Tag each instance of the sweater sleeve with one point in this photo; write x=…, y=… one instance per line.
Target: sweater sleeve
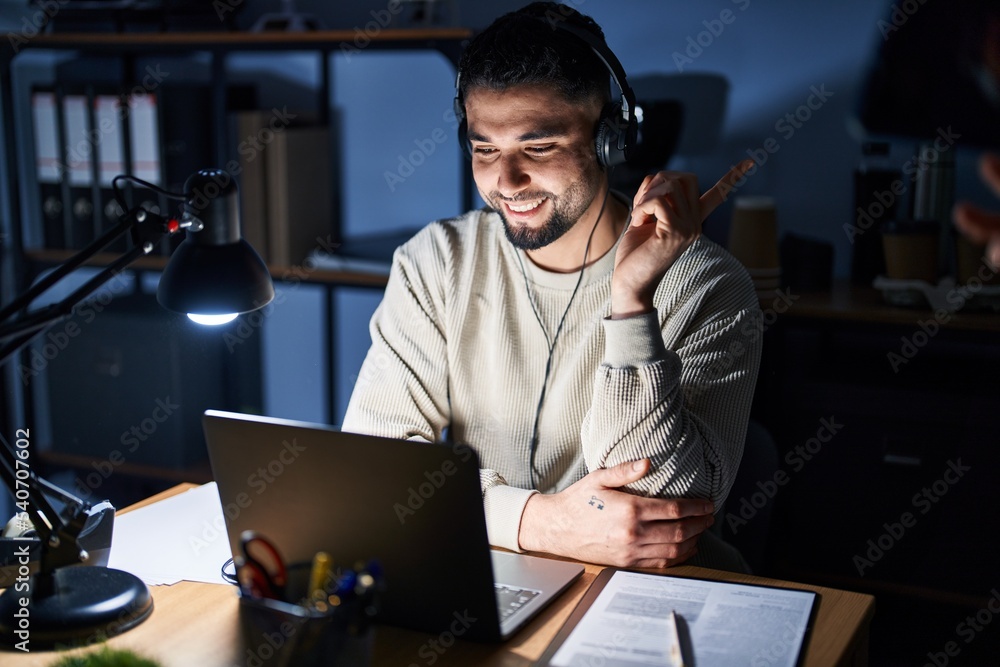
x=676, y=386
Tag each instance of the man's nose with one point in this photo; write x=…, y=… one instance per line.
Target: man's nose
x=513, y=176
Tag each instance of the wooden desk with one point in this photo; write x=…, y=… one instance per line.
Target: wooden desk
x=197, y=624
x=852, y=304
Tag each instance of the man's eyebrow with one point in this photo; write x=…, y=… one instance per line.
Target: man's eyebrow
x=534, y=135
x=545, y=133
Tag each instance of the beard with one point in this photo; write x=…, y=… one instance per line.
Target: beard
x=567, y=209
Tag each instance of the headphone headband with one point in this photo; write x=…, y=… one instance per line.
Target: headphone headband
x=618, y=127
x=610, y=62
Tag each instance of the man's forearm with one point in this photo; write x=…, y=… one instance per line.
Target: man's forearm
x=687, y=421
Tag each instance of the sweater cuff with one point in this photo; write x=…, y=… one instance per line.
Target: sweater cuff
x=633, y=342
x=503, y=506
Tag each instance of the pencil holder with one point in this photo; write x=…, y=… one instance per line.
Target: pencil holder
x=293, y=633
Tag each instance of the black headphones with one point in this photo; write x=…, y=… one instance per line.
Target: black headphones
x=618, y=128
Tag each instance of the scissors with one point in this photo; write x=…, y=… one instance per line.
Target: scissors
x=260, y=569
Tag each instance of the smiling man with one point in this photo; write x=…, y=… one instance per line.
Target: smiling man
x=594, y=354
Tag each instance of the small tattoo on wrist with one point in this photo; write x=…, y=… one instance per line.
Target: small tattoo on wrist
x=596, y=502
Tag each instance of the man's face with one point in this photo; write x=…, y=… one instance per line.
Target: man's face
x=534, y=160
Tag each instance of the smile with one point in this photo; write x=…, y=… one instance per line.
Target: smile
x=524, y=208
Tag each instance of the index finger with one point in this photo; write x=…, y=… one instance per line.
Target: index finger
x=660, y=509
x=720, y=191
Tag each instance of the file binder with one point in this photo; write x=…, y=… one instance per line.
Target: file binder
x=48, y=169
x=108, y=114
x=298, y=180
x=253, y=178
x=144, y=149
x=78, y=154
x=144, y=131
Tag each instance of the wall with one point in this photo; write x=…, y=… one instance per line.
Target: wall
x=775, y=55
x=389, y=105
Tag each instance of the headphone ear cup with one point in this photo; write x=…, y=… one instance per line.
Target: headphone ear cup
x=463, y=137
x=601, y=144
x=608, y=138
x=463, y=127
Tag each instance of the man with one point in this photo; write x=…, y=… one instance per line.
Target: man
x=601, y=365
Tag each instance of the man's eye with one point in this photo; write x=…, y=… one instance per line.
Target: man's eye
x=539, y=150
x=484, y=150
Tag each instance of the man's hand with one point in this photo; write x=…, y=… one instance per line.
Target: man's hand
x=667, y=215
x=979, y=225
x=593, y=521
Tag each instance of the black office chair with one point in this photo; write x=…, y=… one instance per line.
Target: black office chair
x=760, y=462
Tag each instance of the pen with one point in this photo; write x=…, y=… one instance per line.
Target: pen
x=674, y=641
x=319, y=577
x=345, y=587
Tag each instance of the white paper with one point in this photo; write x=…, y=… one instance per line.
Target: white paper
x=728, y=624
x=180, y=538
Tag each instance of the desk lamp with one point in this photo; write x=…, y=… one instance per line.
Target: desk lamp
x=213, y=276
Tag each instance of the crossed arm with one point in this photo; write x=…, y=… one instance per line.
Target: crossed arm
x=658, y=465
x=659, y=471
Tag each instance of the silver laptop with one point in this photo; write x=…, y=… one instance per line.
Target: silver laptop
x=415, y=507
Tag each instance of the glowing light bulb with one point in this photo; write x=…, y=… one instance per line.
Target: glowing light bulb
x=212, y=320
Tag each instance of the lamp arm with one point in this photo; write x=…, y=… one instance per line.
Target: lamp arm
x=16, y=334
x=128, y=222
x=59, y=534
x=145, y=235
x=24, y=300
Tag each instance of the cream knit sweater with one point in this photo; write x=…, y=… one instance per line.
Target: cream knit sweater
x=456, y=345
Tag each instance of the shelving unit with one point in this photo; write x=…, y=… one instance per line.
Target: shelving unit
x=899, y=430
x=19, y=265
x=218, y=45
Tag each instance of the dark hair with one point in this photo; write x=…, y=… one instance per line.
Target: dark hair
x=526, y=47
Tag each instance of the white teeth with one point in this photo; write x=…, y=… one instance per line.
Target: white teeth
x=526, y=207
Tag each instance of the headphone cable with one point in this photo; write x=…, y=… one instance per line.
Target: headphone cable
x=533, y=448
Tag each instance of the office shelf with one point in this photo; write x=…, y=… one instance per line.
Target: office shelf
x=157, y=263
x=901, y=429
x=448, y=40
x=18, y=264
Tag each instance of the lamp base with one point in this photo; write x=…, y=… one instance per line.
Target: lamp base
x=73, y=606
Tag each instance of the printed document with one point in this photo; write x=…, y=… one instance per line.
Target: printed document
x=719, y=623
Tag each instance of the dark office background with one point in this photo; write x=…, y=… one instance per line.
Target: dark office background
x=774, y=55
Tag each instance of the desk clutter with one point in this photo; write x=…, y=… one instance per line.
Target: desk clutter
x=304, y=614
x=19, y=533
x=798, y=263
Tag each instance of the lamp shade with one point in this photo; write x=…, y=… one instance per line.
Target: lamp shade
x=214, y=280
x=214, y=271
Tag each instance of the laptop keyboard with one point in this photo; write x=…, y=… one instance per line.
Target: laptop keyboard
x=510, y=599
